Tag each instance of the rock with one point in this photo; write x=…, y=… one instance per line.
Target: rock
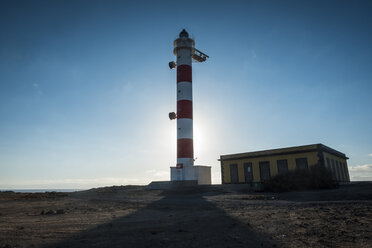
x=49, y=212
x=60, y=211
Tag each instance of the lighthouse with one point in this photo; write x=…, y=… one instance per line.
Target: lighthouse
x=186, y=54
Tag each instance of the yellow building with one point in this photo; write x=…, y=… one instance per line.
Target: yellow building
x=259, y=166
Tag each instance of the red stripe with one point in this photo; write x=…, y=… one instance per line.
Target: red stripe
x=184, y=109
x=185, y=148
x=184, y=73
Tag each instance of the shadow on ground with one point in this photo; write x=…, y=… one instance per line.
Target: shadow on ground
x=356, y=191
x=176, y=220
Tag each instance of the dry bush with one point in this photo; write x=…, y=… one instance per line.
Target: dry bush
x=316, y=177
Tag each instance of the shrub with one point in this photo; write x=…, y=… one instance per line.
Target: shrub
x=316, y=177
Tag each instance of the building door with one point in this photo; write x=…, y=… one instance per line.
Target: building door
x=234, y=173
x=179, y=175
x=248, y=173
x=264, y=170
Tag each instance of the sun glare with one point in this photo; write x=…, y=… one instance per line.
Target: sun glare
x=200, y=139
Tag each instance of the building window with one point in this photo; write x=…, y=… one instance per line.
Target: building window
x=342, y=175
x=234, y=173
x=346, y=173
x=248, y=172
x=301, y=163
x=337, y=171
x=282, y=166
x=264, y=170
x=333, y=170
x=328, y=164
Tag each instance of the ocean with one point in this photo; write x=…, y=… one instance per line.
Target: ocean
x=40, y=190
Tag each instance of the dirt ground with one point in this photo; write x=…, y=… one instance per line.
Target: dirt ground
x=211, y=216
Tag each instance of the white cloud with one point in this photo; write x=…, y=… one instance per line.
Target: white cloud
x=361, y=172
x=36, y=85
x=159, y=174
x=370, y=154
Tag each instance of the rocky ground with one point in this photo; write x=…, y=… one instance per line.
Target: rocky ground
x=214, y=216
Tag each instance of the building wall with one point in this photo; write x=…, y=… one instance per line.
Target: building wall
x=340, y=170
x=312, y=159
x=204, y=175
x=200, y=173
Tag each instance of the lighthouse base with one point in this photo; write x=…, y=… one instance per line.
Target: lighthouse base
x=199, y=173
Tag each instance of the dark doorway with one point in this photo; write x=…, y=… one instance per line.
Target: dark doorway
x=264, y=170
x=248, y=173
x=234, y=173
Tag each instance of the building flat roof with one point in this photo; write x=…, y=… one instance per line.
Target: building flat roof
x=284, y=151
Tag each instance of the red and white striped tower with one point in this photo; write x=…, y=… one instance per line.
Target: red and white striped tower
x=183, y=49
x=185, y=52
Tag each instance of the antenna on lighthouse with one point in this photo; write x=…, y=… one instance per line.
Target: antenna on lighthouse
x=199, y=56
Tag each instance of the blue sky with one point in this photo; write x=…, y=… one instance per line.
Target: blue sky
x=85, y=88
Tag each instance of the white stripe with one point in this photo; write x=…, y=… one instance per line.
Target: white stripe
x=184, y=128
x=185, y=161
x=184, y=91
x=184, y=57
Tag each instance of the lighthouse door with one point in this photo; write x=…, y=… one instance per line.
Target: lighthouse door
x=179, y=174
